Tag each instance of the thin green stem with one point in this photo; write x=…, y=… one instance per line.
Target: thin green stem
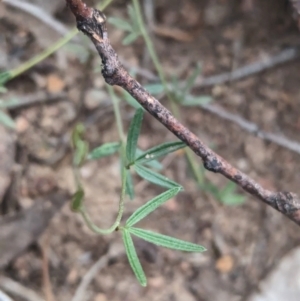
x=117, y=112
x=150, y=47
x=43, y=55
x=95, y=228
x=47, y=52
x=175, y=109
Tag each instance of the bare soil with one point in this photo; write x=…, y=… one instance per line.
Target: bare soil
x=244, y=242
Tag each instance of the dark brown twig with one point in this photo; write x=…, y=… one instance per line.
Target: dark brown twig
x=93, y=23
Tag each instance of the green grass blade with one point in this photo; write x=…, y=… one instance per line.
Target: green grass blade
x=151, y=205
x=104, y=150
x=133, y=258
x=154, y=177
x=133, y=135
x=166, y=241
x=159, y=151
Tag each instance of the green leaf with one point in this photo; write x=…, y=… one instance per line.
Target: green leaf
x=133, y=258
x=133, y=135
x=129, y=185
x=233, y=200
x=131, y=101
x=77, y=200
x=104, y=150
x=155, y=89
x=134, y=19
x=130, y=38
x=166, y=241
x=151, y=205
x=154, y=177
x=120, y=23
x=229, y=197
x=6, y=120
x=196, y=101
x=159, y=151
x=154, y=163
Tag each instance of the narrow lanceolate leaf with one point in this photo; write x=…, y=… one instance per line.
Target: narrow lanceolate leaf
x=196, y=101
x=131, y=101
x=159, y=151
x=130, y=38
x=129, y=185
x=133, y=135
x=166, y=241
x=154, y=163
x=154, y=177
x=120, y=23
x=133, y=258
x=104, y=150
x=150, y=206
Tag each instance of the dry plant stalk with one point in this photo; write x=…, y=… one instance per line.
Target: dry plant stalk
x=92, y=22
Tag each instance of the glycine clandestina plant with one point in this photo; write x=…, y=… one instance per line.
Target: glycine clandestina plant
x=143, y=164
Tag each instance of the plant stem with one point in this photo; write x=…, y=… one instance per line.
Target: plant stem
x=47, y=52
x=117, y=113
x=43, y=55
x=95, y=228
x=175, y=109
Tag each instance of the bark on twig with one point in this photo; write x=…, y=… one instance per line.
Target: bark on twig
x=92, y=22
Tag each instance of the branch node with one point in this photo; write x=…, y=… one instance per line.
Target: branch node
x=212, y=164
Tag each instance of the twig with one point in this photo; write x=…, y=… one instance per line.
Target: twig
x=285, y=56
x=93, y=23
x=18, y=289
x=113, y=252
x=253, y=128
x=18, y=102
x=89, y=276
x=38, y=13
x=45, y=269
x=269, y=62
x=4, y=297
